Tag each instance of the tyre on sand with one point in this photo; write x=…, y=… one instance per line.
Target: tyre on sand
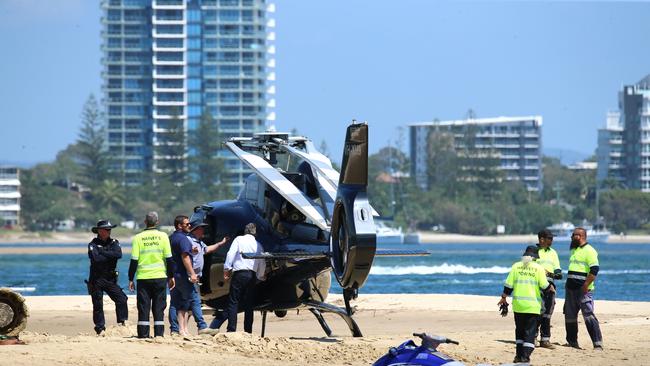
x=13, y=313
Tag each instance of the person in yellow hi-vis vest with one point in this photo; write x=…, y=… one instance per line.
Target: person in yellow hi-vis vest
x=579, y=289
x=550, y=261
x=151, y=260
x=524, y=282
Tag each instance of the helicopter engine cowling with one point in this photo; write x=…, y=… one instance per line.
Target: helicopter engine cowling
x=353, y=232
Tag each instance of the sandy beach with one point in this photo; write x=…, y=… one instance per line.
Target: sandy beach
x=59, y=332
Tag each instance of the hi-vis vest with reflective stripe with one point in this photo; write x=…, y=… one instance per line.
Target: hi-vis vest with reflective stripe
x=525, y=282
x=150, y=248
x=549, y=260
x=582, y=258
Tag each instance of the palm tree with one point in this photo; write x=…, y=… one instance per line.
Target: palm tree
x=109, y=195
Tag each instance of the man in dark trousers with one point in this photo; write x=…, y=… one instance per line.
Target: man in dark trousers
x=579, y=290
x=243, y=274
x=151, y=260
x=525, y=282
x=104, y=252
x=550, y=261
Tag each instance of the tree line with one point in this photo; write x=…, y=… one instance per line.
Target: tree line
x=468, y=194
x=83, y=184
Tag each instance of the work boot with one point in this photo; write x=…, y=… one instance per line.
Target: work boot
x=573, y=345
x=546, y=344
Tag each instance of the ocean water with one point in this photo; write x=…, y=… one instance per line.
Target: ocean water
x=474, y=269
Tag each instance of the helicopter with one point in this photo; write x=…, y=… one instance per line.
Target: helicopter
x=311, y=221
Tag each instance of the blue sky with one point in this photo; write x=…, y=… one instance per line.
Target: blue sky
x=387, y=62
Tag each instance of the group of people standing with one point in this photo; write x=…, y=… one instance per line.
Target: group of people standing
x=531, y=282
x=176, y=262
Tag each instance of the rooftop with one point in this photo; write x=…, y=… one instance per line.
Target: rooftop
x=479, y=121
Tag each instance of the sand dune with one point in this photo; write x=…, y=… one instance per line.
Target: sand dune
x=60, y=332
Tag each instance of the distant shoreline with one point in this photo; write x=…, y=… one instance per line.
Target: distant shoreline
x=81, y=238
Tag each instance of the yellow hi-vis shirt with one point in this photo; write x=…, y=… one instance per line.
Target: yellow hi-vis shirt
x=150, y=248
x=526, y=282
x=549, y=260
x=581, y=260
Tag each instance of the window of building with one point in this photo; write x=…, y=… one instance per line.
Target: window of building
x=170, y=83
x=209, y=30
x=228, y=111
x=229, y=15
x=227, y=124
x=193, y=30
x=193, y=111
x=194, y=97
x=169, y=42
x=228, y=70
x=169, y=29
x=229, y=97
x=229, y=84
x=229, y=43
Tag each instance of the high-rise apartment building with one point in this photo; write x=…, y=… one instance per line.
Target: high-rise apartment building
x=9, y=196
x=166, y=62
x=624, y=144
x=515, y=141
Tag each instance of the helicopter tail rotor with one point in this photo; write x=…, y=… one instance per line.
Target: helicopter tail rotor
x=353, y=232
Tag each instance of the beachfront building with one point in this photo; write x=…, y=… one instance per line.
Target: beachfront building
x=515, y=141
x=9, y=196
x=624, y=143
x=167, y=62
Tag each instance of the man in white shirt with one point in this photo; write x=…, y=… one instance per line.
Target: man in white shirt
x=244, y=274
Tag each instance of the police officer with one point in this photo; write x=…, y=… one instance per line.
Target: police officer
x=151, y=260
x=524, y=282
x=549, y=260
x=583, y=269
x=104, y=252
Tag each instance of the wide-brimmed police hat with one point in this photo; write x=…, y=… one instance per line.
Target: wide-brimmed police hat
x=102, y=224
x=532, y=251
x=197, y=224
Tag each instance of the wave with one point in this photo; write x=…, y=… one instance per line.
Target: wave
x=447, y=268
x=444, y=268
x=22, y=289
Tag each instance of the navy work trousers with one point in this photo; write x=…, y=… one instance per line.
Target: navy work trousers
x=152, y=296
x=575, y=301
x=97, y=287
x=548, y=298
x=242, y=289
x=525, y=331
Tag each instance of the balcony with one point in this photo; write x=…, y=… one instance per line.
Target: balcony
x=168, y=4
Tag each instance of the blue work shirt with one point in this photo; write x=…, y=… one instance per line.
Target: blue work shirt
x=197, y=259
x=180, y=244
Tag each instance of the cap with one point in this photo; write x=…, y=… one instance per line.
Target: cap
x=531, y=251
x=546, y=233
x=102, y=224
